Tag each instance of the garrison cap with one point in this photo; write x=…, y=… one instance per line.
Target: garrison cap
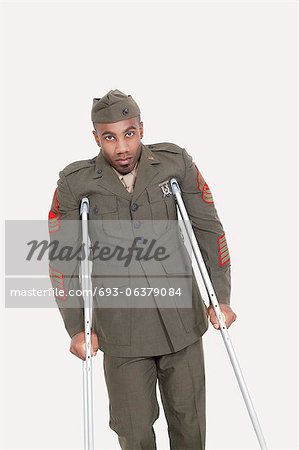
x=113, y=107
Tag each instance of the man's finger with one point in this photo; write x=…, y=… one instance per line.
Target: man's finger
x=213, y=319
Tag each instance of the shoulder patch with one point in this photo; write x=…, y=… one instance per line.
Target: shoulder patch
x=203, y=188
x=77, y=165
x=54, y=215
x=165, y=147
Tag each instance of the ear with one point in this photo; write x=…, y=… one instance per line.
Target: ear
x=141, y=130
x=96, y=138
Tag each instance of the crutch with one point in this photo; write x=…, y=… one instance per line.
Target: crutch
x=183, y=215
x=87, y=364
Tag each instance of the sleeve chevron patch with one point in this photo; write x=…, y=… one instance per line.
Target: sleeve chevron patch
x=204, y=190
x=57, y=279
x=223, y=253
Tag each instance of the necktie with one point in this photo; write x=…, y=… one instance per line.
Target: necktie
x=128, y=180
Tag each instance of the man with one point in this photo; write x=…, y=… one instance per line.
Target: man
x=129, y=181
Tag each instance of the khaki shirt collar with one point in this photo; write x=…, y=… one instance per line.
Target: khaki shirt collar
x=133, y=171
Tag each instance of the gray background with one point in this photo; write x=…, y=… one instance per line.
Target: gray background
x=218, y=78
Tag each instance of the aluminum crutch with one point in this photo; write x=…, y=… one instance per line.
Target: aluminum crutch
x=87, y=364
x=182, y=214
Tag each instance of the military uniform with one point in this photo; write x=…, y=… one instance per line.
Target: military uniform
x=142, y=345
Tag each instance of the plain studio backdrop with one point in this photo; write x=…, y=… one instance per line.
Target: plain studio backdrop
x=218, y=78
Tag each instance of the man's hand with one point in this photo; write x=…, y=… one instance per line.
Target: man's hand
x=78, y=344
x=228, y=315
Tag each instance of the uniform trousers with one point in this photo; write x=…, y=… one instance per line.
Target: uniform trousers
x=133, y=407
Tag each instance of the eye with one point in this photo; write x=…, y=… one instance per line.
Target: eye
x=130, y=133
x=109, y=138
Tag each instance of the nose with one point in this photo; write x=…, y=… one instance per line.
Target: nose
x=121, y=147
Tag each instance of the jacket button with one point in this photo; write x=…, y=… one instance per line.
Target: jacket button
x=134, y=207
x=137, y=224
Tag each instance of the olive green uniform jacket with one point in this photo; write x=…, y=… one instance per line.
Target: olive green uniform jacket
x=138, y=331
